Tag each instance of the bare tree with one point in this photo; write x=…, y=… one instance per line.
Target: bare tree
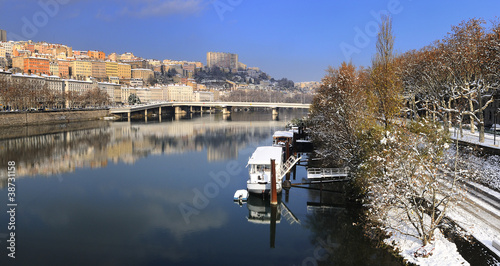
x=387, y=93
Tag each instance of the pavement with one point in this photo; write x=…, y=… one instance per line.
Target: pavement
x=490, y=140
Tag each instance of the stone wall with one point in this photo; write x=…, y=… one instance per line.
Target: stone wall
x=35, y=130
x=41, y=118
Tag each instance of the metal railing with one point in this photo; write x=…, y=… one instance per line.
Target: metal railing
x=328, y=172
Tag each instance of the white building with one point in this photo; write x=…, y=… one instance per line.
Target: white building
x=6, y=49
x=203, y=96
x=28, y=80
x=134, y=82
x=110, y=89
x=54, y=83
x=80, y=86
x=179, y=93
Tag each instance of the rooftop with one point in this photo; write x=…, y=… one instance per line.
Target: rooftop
x=264, y=154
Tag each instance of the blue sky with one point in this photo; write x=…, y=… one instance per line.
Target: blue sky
x=293, y=39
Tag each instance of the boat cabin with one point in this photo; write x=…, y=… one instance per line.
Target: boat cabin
x=281, y=137
x=260, y=168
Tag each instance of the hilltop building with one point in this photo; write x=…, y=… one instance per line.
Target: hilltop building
x=223, y=60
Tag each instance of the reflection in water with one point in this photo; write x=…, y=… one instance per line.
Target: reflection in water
x=259, y=210
x=336, y=233
x=127, y=212
x=93, y=147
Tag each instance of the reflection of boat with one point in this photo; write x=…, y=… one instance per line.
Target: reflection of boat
x=259, y=181
x=260, y=211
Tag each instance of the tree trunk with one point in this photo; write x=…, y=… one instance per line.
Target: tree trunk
x=414, y=108
x=427, y=110
x=449, y=113
x=446, y=124
x=461, y=129
x=471, y=109
x=433, y=112
x=481, y=115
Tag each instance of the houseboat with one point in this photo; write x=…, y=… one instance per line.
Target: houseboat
x=259, y=181
x=281, y=137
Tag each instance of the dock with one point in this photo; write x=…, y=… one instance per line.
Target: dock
x=321, y=173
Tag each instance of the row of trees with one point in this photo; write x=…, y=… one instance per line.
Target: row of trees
x=359, y=120
x=25, y=95
x=267, y=96
x=455, y=79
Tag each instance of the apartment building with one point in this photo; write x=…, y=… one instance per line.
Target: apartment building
x=36, y=65
x=80, y=69
x=111, y=69
x=223, y=60
x=99, y=70
x=141, y=73
x=124, y=71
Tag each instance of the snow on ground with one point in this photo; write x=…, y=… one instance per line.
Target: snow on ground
x=475, y=215
x=478, y=219
x=443, y=252
x=484, y=169
x=489, y=139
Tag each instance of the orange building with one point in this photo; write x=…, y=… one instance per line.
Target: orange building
x=97, y=55
x=29, y=47
x=63, y=68
x=36, y=65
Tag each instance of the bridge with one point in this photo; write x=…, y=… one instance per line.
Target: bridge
x=189, y=107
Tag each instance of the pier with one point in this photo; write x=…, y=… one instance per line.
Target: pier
x=320, y=173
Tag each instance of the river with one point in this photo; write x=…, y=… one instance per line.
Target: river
x=160, y=193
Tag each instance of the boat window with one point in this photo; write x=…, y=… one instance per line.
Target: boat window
x=267, y=167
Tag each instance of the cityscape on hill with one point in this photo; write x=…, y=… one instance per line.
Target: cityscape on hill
x=49, y=75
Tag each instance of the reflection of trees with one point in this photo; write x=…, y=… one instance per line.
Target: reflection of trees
x=342, y=242
x=63, y=150
x=53, y=153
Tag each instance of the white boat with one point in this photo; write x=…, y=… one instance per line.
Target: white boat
x=281, y=137
x=241, y=195
x=259, y=181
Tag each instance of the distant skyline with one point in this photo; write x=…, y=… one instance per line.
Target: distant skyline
x=297, y=40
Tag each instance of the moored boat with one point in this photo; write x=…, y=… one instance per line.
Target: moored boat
x=280, y=138
x=259, y=164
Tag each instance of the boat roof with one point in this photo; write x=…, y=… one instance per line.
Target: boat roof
x=287, y=134
x=264, y=154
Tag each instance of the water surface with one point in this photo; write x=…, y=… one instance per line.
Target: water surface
x=160, y=193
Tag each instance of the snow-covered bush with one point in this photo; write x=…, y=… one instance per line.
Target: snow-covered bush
x=404, y=175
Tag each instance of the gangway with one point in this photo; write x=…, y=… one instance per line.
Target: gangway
x=287, y=166
x=320, y=173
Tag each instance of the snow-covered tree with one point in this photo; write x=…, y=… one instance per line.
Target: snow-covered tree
x=460, y=69
x=405, y=175
x=338, y=114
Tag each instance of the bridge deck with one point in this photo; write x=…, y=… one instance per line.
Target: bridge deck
x=143, y=107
